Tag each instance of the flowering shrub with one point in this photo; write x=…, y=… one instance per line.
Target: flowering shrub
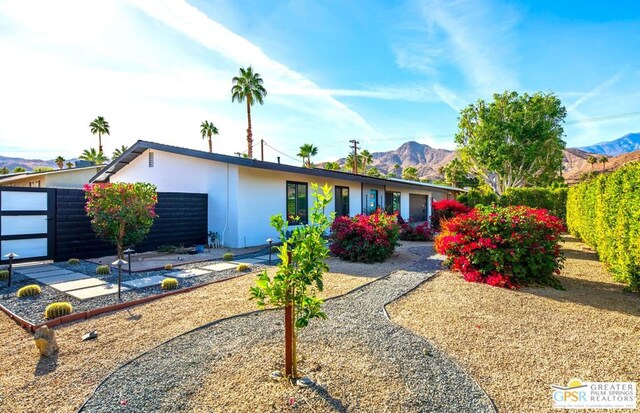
x=444, y=210
x=420, y=232
x=364, y=238
x=504, y=247
x=122, y=213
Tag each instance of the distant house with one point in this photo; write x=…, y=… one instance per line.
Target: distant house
x=57, y=178
x=244, y=193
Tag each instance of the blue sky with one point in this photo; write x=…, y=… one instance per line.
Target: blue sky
x=381, y=72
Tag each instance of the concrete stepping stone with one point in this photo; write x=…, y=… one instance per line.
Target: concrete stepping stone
x=36, y=268
x=98, y=291
x=144, y=282
x=63, y=278
x=221, y=266
x=250, y=261
x=48, y=274
x=266, y=257
x=193, y=272
x=78, y=284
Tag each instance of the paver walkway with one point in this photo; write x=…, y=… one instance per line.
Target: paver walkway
x=160, y=379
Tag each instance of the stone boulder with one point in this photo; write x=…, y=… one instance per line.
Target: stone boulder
x=46, y=341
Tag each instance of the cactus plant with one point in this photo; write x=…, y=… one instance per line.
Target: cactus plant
x=55, y=310
x=169, y=284
x=168, y=266
x=228, y=256
x=103, y=270
x=243, y=267
x=73, y=261
x=28, y=291
x=4, y=275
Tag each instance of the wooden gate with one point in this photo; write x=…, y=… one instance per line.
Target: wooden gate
x=27, y=223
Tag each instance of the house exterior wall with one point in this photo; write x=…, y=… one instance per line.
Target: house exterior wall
x=241, y=200
x=66, y=178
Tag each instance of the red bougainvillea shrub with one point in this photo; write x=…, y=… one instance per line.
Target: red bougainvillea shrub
x=505, y=247
x=364, y=238
x=444, y=210
x=420, y=232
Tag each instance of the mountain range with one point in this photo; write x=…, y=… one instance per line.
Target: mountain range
x=628, y=143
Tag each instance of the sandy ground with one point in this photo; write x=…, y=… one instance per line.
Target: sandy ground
x=517, y=343
x=61, y=384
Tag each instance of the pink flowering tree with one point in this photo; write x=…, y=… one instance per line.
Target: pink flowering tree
x=121, y=213
x=504, y=247
x=365, y=238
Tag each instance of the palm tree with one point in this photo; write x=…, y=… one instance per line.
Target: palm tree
x=248, y=87
x=349, y=164
x=60, y=162
x=410, y=174
x=117, y=152
x=332, y=166
x=306, y=152
x=592, y=160
x=4, y=170
x=69, y=165
x=93, y=156
x=398, y=170
x=603, y=160
x=208, y=129
x=19, y=169
x=366, y=159
x=99, y=126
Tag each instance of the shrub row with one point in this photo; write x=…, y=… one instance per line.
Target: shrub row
x=444, y=210
x=503, y=246
x=605, y=213
x=553, y=200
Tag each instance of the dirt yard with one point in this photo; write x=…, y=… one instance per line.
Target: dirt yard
x=517, y=343
x=61, y=384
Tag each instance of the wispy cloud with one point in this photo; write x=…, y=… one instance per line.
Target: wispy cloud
x=596, y=91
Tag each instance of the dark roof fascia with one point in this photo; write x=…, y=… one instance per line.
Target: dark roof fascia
x=141, y=146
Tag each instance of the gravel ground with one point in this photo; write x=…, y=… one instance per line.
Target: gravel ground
x=60, y=384
x=517, y=343
x=168, y=377
x=32, y=308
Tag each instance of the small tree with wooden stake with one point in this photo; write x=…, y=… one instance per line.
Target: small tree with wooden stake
x=299, y=276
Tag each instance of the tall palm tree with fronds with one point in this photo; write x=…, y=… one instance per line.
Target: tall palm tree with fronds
x=398, y=170
x=93, y=156
x=603, y=160
x=592, y=160
x=248, y=87
x=69, y=165
x=208, y=129
x=60, y=162
x=332, y=166
x=410, y=174
x=117, y=152
x=306, y=152
x=99, y=126
x=366, y=159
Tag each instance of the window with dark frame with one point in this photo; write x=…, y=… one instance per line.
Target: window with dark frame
x=342, y=201
x=392, y=202
x=297, y=203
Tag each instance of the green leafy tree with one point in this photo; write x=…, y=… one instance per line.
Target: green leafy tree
x=374, y=172
x=42, y=169
x=248, y=88
x=60, y=162
x=513, y=141
x=99, y=126
x=208, y=129
x=117, y=152
x=410, y=173
x=93, y=156
x=332, y=166
x=456, y=174
x=603, y=160
x=69, y=165
x=18, y=169
x=121, y=213
x=4, y=170
x=306, y=152
x=299, y=275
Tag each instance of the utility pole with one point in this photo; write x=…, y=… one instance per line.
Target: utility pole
x=262, y=149
x=355, y=154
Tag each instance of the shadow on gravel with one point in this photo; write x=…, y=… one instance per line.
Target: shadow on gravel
x=46, y=365
x=332, y=401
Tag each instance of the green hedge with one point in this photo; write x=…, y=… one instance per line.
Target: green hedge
x=553, y=200
x=605, y=213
